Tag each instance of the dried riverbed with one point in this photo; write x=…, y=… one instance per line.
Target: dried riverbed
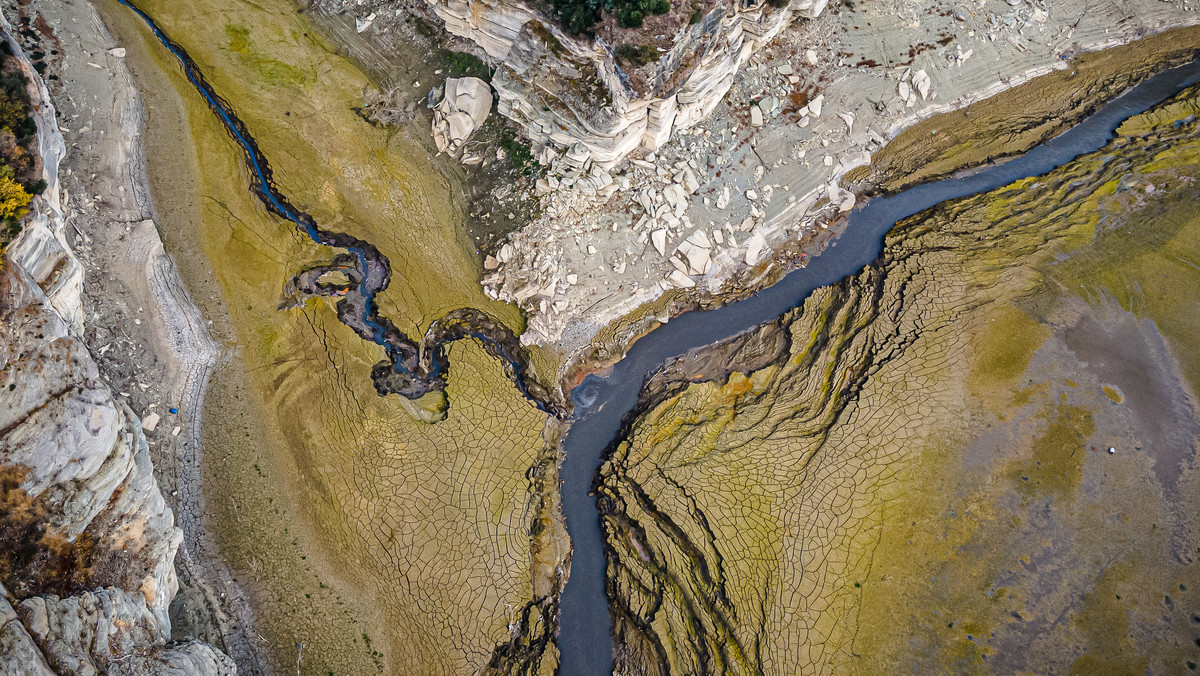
x=377, y=541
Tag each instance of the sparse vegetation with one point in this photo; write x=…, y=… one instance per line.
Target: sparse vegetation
x=636, y=55
x=34, y=558
x=462, y=64
x=579, y=17
x=19, y=166
x=518, y=153
x=389, y=109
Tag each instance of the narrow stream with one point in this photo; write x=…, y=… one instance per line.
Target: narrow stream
x=411, y=369
x=601, y=403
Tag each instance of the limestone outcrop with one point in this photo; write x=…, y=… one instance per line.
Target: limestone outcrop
x=567, y=92
x=87, y=563
x=106, y=631
x=84, y=462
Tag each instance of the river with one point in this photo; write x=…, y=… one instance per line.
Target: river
x=601, y=403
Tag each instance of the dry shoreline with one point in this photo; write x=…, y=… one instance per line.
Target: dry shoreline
x=1109, y=72
x=231, y=421
x=151, y=341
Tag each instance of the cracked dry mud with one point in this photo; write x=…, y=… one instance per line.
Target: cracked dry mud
x=911, y=472
x=381, y=542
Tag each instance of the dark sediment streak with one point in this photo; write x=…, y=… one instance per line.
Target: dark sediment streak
x=411, y=369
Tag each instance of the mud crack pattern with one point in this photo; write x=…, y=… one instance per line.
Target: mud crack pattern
x=751, y=512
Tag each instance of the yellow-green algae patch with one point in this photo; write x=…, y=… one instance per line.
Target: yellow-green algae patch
x=1111, y=603
x=1055, y=464
x=923, y=484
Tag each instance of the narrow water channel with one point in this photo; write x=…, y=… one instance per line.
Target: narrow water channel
x=585, y=638
x=411, y=369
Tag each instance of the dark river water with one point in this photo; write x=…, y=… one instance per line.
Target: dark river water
x=600, y=403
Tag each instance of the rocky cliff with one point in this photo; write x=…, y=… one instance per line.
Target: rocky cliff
x=569, y=93
x=87, y=543
x=573, y=97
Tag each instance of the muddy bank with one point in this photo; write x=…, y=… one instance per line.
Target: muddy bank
x=355, y=527
x=934, y=417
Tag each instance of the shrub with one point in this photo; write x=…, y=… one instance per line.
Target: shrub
x=34, y=557
x=631, y=13
x=637, y=55
x=579, y=17
x=518, y=153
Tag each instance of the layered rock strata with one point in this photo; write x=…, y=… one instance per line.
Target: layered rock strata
x=571, y=93
x=84, y=460
x=89, y=572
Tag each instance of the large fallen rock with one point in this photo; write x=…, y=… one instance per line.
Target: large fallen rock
x=108, y=631
x=463, y=109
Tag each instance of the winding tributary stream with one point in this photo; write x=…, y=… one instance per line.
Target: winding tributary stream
x=411, y=369
x=601, y=403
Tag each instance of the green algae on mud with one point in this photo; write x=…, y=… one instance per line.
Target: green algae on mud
x=355, y=528
x=924, y=482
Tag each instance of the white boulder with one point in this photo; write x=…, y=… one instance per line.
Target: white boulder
x=463, y=109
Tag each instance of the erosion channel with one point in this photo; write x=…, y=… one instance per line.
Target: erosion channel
x=417, y=369
x=413, y=370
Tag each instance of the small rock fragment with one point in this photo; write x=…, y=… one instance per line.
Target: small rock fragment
x=150, y=422
x=659, y=237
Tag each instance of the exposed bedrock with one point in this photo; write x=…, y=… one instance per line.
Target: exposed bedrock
x=87, y=542
x=571, y=92
x=565, y=91
x=81, y=508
